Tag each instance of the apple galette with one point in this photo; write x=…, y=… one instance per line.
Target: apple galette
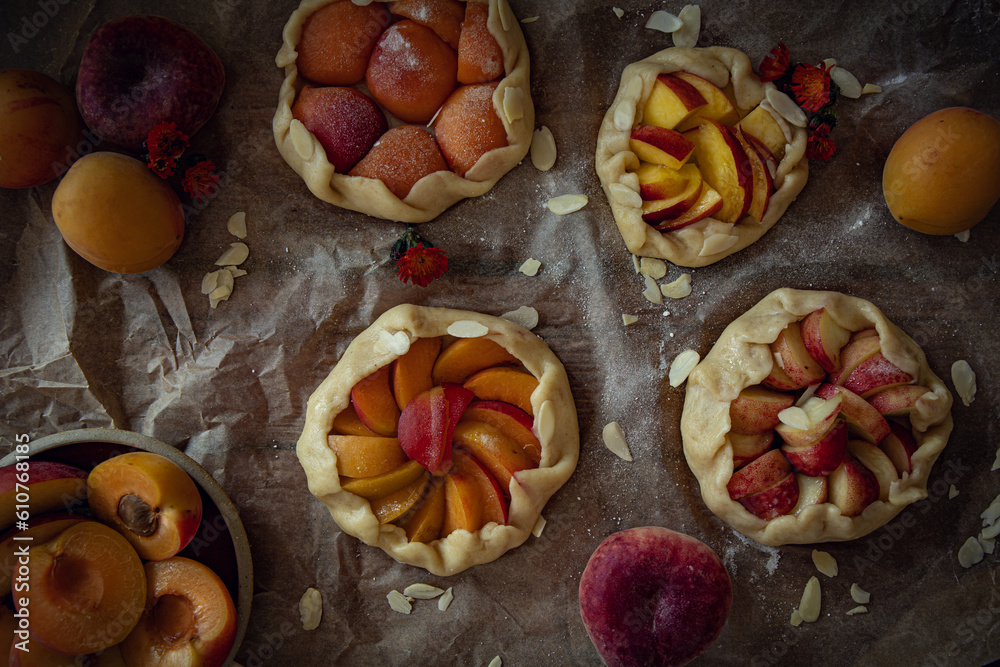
x=813, y=419
x=440, y=435
x=400, y=109
x=695, y=162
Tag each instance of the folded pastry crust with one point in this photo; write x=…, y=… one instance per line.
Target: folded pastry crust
x=434, y=193
x=741, y=358
x=555, y=426
x=616, y=163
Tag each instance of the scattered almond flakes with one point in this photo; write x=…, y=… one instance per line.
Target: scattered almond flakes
x=619, y=12
x=311, y=609
x=530, y=19
x=513, y=103
x=779, y=361
x=850, y=87
x=629, y=319
x=679, y=288
x=990, y=532
x=652, y=267
x=824, y=562
x=652, y=291
x=996, y=462
x=869, y=88
x=496, y=662
x=445, y=600
x=526, y=316
x=398, y=602
x=663, y=21
x=505, y=19
x=235, y=255
x=991, y=513
x=546, y=421
x=396, y=343
x=786, y=108
x=467, y=329
x=543, y=149
x=988, y=544
x=830, y=62
x=688, y=33
x=210, y=282
x=810, y=603
x=237, y=225
x=302, y=139
x=566, y=204
x=860, y=609
x=860, y=596
x=963, y=235
x=539, y=526
x=796, y=619
x=636, y=263
x=795, y=417
x=530, y=267
x=681, y=367
x=964, y=379
x=614, y=440
x=219, y=294
x=717, y=243
x=236, y=272
x=422, y=591
x=970, y=553
x=952, y=492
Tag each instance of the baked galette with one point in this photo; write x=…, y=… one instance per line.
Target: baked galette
x=813, y=419
x=440, y=435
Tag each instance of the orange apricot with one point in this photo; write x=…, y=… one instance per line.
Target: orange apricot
x=412, y=372
x=509, y=385
x=444, y=17
x=467, y=356
x=337, y=41
x=468, y=126
x=463, y=508
x=504, y=418
x=491, y=496
x=347, y=422
x=400, y=158
x=426, y=521
x=480, y=58
x=380, y=486
x=391, y=507
x=366, y=456
x=373, y=401
x=499, y=454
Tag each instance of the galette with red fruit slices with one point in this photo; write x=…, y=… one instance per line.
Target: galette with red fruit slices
x=401, y=108
x=694, y=160
x=440, y=435
x=813, y=419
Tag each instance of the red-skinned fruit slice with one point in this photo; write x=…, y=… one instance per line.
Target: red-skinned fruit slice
x=510, y=420
x=499, y=454
x=423, y=430
x=459, y=399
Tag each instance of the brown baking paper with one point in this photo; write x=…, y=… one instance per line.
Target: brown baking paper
x=79, y=346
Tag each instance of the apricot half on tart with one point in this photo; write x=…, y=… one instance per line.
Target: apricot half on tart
x=444, y=112
x=813, y=419
x=695, y=162
x=440, y=435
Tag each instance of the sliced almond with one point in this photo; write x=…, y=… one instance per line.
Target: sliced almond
x=989, y=545
x=226, y=279
x=810, y=603
x=619, y=12
x=970, y=553
x=779, y=361
x=302, y=139
x=869, y=88
x=681, y=367
x=539, y=526
x=566, y=204
x=860, y=609
x=235, y=272
x=952, y=492
x=824, y=562
x=530, y=19
x=850, y=87
x=652, y=267
x=795, y=417
x=496, y=662
x=652, y=291
x=506, y=20
x=796, y=618
x=513, y=103
x=624, y=114
x=964, y=235
x=235, y=255
x=679, y=288
x=526, y=316
x=860, y=596
x=445, y=600
x=219, y=294
x=964, y=379
x=717, y=243
x=530, y=267
x=422, y=591
x=396, y=343
x=467, y=329
x=990, y=532
x=806, y=394
x=311, y=609
x=629, y=319
x=237, y=225
x=663, y=21
x=688, y=33
x=398, y=602
x=636, y=263
x=546, y=422
x=830, y=62
x=543, y=149
x=787, y=108
x=210, y=282
x=614, y=440
x=625, y=195
x=991, y=513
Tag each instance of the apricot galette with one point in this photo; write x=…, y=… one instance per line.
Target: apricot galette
x=813, y=419
x=440, y=435
x=695, y=162
x=400, y=109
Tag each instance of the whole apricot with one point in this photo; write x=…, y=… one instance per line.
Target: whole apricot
x=39, y=128
x=117, y=214
x=943, y=174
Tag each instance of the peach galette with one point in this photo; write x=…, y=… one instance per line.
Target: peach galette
x=440, y=435
x=695, y=162
x=813, y=419
x=400, y=109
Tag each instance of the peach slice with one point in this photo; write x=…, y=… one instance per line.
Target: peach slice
x=427, y=520
x=756, y=409
x=823, y=339
x=798, y=364
x=761, y=124
x=748, y=447
x=822, y=413
x=45, y=486
x=391, y=507
x=41, y=528
x=853, y=487
x=778, y=379
x=510, y=420
x=467, y=356
x=491, y=496
x=709, y=203
x=444, y=17
x=659, y=182
x=463, y=508
x=508, y=385
x=147, y=498
x=498, y=453
x=411, y=373
x=763, y=183
x=724, y=166
x=480, y=58
x=761, y=473
x=348, y=423
x=878, y=462
x=858, y=348
x=366, y=456
x=423, y=430
x=719, y=107
x=897, y=401
x=821, y=457
x=899, y=446
x=875, y=374
x=862, y=418
x=812, y=491
x=380, y=486
x=774, y=501
x=661, y=146
x=189, y=617
x=665, y=211
x=374, y=403
x=671, y=102
x=86, y=589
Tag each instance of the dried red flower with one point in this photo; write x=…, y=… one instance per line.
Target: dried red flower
x=200, y=181
x=161, y=165
x=775, y=64
x=421, y=265
x=165, y=140
x=811, y=86
x=819, y=145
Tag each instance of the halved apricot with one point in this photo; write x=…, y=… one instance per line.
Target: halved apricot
x=498, y=453
x=382, y=485
x=494, y=505
x=348, y=423
x=468, y=126
x=425, y=523
x=444, y=17
x=366, y=456
x=337, y=41
x=467, y=356
x=391, y=507
x=480, y=58
x=463, y=507
x=189, y=617
x=86, y=589
x=374, y=403
x=508, y=385
x=412, y=372
x=510, y=420
x=400, y=158
x=41, y=528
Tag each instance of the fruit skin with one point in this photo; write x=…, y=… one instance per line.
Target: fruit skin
x=719, y=106
x=853, y=487
x=875, y=374
x=823, y=339
x=760, y=124
x=344, y=120
x=138, y=71
x=725, y=166
x=709, y=203
x=760, y=474
x=821, y=457
x=117, y=215
x=822, y=417
x=400, y=158
x=423, y=430
x=480, y=58
x=941, y=174
x=671, y=102
x=653, y=596
x=51, y=486
x=659, y=182
x=774, y=501
x=165, y=488
x=899, y=446
x=798, y=364
x=461, y=147
x=39, y=128
x=756, y=409
x=659, y=145
x=337, y=41
x=862, y=418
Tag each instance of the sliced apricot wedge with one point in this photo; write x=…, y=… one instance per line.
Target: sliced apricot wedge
x=510, y=420
x=494, y=505
x=498, y=453
x=374, y=403
x=411, y=374
x=463, y=507
x=391, y=507
x=348, y=423
x=366, y=456
x=467, y=356
x=382, y=485
x=508, y=385
x=426, y=521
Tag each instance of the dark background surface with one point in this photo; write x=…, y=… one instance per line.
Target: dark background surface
x=79, y=346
